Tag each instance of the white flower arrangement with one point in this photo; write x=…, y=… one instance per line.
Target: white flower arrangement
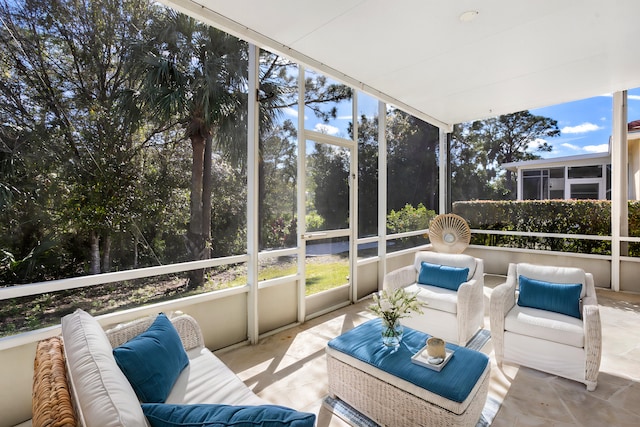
x=395, y=305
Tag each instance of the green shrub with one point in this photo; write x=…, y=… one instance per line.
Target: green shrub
x=409, y=219
x=590, y=217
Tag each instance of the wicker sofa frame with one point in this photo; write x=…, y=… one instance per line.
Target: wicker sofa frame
x=52, y=400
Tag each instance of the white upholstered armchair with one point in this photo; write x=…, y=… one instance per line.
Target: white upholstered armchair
x=455, y=310
x=547, y=318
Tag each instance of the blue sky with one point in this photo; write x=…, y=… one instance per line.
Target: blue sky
x=585, y=125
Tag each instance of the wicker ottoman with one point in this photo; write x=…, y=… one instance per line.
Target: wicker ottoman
x=391, y=390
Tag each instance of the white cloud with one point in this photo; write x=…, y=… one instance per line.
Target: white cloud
x=291, y=112
x=600, y=148
x=326, y=129
x=583, y=128
x=533, y=145
x=570, y=146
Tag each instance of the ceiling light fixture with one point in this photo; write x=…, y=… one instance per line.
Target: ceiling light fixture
x=469, y=15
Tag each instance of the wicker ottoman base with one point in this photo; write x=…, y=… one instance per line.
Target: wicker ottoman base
x=393, y=404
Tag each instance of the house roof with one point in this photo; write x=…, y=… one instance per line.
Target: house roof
x=579, y=160
x=425, y=57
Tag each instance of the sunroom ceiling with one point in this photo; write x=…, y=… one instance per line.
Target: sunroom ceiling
x=420, y=56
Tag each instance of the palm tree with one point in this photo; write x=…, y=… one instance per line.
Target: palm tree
x=194, y=76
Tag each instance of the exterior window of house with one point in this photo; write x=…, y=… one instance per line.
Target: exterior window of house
x=535, y=184
x=556, y=183
x=543, y=184
x=585, y=172
x=608, y=195
x=585, y=191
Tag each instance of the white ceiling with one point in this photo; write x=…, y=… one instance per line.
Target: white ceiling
x=418, y=54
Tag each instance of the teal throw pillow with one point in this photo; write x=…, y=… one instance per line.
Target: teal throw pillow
x=211, y=415
x=153, y=360
x=558, y=297
x=442, y=276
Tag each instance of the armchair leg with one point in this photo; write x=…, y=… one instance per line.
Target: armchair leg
x=591, y=385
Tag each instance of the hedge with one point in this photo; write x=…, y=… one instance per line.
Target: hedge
x=590, y=217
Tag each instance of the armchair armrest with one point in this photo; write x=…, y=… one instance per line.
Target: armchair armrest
x=466, y=291
x=503, y=298
x=399, y=278
x=592, y=344
x=470, y=308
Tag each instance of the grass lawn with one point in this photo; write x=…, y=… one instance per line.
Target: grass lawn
x=28, y=313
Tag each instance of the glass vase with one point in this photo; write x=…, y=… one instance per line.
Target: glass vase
x=392, y=334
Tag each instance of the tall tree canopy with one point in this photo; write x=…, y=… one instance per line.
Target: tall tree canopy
x=195, y=76
x=60, y=101
x=412, y=161
x=479, y=148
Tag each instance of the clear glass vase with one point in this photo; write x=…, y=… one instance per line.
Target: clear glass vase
x=392, y=334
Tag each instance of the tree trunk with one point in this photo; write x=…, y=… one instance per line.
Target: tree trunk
x=195, y=240
x=261, y=194
x=94, y=241
x=207, y=189
x=510, y=186
x=106, y=253
x=136, y=242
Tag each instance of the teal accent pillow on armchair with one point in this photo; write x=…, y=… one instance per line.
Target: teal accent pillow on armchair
x=561, y=298
x=442, y=276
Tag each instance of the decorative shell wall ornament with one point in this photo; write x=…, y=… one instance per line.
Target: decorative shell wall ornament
x=449, y=233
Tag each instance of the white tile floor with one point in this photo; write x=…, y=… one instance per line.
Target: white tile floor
x=289, y=368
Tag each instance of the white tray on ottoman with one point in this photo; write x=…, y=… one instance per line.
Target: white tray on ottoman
x=373, y=387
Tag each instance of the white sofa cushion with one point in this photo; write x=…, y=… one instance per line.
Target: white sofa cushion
x=436, y=298
x=553, y=274
x=104, y=395
x=208, y=380
x=452, y=260
x=546, y=325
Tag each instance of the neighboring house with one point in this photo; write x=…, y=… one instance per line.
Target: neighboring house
x=586, y=176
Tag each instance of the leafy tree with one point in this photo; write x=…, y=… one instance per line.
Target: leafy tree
x=278, y=92
x=367, y=175
x=278, y=189
x=194, y=76
x=330, y=174
x=63, y=63
x=472, y=174
x=412, y=161
x=495, y=141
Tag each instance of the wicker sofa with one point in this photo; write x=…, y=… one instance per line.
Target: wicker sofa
x=78, y=382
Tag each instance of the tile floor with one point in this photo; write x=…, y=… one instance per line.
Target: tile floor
x=289, y=368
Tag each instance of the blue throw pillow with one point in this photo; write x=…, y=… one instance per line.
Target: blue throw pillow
x=153, y=360
x=558, y=297
x=442, y=276
x=209, y=415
